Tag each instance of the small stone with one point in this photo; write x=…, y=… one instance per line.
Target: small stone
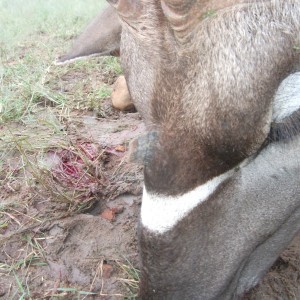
x=120, y=96
x=107, y=271
x=120, y=148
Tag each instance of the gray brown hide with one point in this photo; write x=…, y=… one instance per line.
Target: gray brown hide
x=203, y=75
x=100, y=38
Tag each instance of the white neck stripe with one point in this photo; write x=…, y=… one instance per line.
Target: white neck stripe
x=160, y=213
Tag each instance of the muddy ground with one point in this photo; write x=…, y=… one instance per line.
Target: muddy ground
x=73, y=233
x=86, y=251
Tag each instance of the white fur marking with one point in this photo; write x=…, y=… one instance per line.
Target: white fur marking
x=287, y=98
x=72, y=60
x=160, y=213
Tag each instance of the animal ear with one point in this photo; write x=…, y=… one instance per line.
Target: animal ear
x=101, y=37
x=182, y=16
x=127, y=8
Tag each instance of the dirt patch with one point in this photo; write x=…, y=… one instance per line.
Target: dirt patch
x=76, y=251
x=62, y=252
x=75, y=245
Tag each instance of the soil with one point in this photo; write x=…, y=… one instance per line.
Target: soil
x=93, y=251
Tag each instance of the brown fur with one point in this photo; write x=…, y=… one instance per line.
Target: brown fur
x=205, y=94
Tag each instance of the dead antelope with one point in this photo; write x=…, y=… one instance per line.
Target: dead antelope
x=214, y=82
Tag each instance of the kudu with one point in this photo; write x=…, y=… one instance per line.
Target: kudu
x=212, y=80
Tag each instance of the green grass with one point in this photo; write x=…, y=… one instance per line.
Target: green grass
x=36, y=96
x=54, y=18
x=32, y=35
x=131, y=280
x=37, y=104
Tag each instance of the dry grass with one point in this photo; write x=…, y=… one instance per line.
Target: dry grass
x=39, y=104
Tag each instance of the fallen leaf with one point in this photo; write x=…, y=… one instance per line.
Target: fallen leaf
x=107, y=270
x=108, y=214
